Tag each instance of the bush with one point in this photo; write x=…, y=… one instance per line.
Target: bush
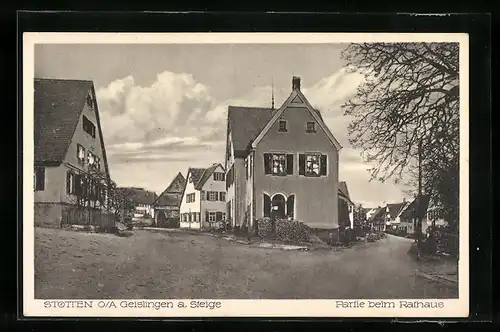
x=264, y=228
x=292, y=231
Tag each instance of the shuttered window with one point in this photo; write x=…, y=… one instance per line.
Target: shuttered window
x=267, y=205
x=279, y=164
x=313, y=164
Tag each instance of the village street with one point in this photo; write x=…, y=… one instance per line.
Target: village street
x=164, y=265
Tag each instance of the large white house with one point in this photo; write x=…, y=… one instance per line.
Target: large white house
x=203, y=204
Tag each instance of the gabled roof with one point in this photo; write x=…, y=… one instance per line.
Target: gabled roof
x=296, y=93
x=394, y=209
x=378, y=216
x=195, y=174
x=411, y=210
x=172, y=196
x=344, y=192
x=245, y=123
x=138, y=195
x=206, y=175
x=58, y=105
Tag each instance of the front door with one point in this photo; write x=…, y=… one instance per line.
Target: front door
x=278, y=207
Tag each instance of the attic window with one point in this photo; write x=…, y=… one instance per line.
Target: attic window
x=88, y=126
x=218, y=176
x=311, y=127
x=282, y=126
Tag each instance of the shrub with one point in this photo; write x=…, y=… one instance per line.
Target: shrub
x=264, y=228
x=292, y=231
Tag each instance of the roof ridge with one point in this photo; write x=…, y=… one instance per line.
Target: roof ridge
x=251, y=107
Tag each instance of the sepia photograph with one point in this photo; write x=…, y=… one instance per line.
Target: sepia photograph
x=195, y=173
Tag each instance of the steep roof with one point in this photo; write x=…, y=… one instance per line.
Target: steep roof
x=411, y=210
x=394, y=209
x=58, y=105
x=196, y=174
x=172, y=196
x=138, y=195
x=378, y=216
x=343, y=189
x=206, y=175
x=246, y=123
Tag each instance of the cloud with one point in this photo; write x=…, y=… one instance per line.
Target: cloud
x=174, y=123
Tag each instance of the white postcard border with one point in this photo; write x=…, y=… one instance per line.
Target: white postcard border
x=239, y=308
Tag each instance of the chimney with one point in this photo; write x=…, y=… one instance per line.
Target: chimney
x=296, y=83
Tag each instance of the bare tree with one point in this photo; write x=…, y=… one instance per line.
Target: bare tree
x=410, y=95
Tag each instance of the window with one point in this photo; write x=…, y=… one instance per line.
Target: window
x=311, y=127
x=213, y=195
x=88, y=126
x=190, y=198
x=80, y=154
x=278, y=164
x=97, y=162
x=222, y=196
x=312, y=164
x=39, y=180
x=218, y=176
x=212, y=217
x=71, y=182
x=202, y=195
x=282, y=126
x=90, y=159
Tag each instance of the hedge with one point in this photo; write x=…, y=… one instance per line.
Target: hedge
x=292, y=231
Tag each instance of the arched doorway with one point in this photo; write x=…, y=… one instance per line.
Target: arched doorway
x=278, y=209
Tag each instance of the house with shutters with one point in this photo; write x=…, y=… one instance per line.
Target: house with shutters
x=282, y=163
x=167, y=205
x=70, y=166
x=203, y=204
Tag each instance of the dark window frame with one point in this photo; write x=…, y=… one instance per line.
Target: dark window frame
x=282, y=126
x=322, y=164
x=310, y=130
x=39, y=183
x=88, y=126
x=268, y=163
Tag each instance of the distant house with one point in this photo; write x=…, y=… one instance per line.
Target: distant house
x=167, y=205
x=393, y=212
x=71, y=173
x=282, y=163
x=410, y=215
x=346, y=206
x=143, y=201
x=203, y=204
x=377, y=219
x=369, y=212
x=434, y=217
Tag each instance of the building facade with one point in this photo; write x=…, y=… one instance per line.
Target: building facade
x=203, y=204
x=167, y=205
x=71, y=173
x=282, y=163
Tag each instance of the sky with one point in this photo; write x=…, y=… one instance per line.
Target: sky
x=163, y=107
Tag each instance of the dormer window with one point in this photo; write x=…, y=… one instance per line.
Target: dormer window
x=282, y=126
x=311, y=127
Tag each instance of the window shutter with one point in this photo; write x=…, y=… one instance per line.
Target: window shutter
x=323, y=164
x=68, y=182
x=289, y=164
x=290, y=205
x=267, y=159
x=267, y=205
x=202, y=195
x=207, y=218
x=220, y=196
x=218, y=216
x=302, y=164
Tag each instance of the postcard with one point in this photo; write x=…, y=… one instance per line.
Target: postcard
x=245, y=175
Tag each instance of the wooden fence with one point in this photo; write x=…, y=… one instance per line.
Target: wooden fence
x=75, y=215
